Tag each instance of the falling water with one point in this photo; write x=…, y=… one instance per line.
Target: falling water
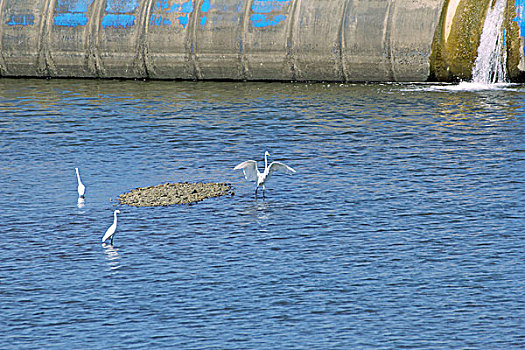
x=489, y=67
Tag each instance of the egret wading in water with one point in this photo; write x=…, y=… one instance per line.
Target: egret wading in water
x=81, y=188
x=252, y=173
x=110, y=233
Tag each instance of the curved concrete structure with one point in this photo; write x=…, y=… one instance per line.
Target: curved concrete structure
x=330, y=40
x=455, y=46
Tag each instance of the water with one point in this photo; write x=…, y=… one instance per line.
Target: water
x=490, y=64
x=403, y=227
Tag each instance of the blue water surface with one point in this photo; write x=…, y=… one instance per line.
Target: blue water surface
x=402, y=228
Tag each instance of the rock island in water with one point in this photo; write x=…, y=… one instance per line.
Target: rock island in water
x=173, y=193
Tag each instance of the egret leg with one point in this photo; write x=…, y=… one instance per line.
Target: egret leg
x=263, y=191
x=256, y=187
x=111, y=240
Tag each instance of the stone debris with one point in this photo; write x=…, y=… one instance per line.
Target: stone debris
x=174, y=193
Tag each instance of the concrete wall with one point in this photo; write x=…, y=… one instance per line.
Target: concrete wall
x=516, y=40
x=339, y=40
x=458, y=33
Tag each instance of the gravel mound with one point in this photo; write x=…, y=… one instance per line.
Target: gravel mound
x=174, y=193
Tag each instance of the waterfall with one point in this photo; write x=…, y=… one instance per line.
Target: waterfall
x=490, y=65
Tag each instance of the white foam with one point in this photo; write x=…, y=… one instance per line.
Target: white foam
x=464, y=87
x=474, y=86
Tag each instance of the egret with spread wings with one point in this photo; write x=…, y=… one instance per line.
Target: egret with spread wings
x=252, y=173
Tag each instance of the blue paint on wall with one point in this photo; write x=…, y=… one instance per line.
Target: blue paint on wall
x=173, y=8
x=117, y=20
x=71, y=19
x=161, y=5
x=21, y=20
x=262, y=9
x=157, y=20
x=520, y=18
x=183, y=20
x=261, y=21
x=71, y=13
x=205, y=6
x=267, y=6
x=165, y=7
x=187, y=7
x=121, y=6
x=520, y=15
x=73, y=6
x=118, y=13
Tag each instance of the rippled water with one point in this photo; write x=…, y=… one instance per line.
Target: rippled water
x=403, y=227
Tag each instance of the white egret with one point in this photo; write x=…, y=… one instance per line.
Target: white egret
x=110, y=233
x=251, y=171
x=81, y=188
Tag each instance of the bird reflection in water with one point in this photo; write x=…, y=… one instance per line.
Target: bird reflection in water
x=259, y=210
x=112, y=256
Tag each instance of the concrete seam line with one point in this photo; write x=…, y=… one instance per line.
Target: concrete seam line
x=44, y=64
x=96, y=66
x=290, y=45
x=341, y=39
x=192, y=29
x=140, y=62
x=3, y=68
x=145, y=32
x=242, y=45
x=387, y=39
